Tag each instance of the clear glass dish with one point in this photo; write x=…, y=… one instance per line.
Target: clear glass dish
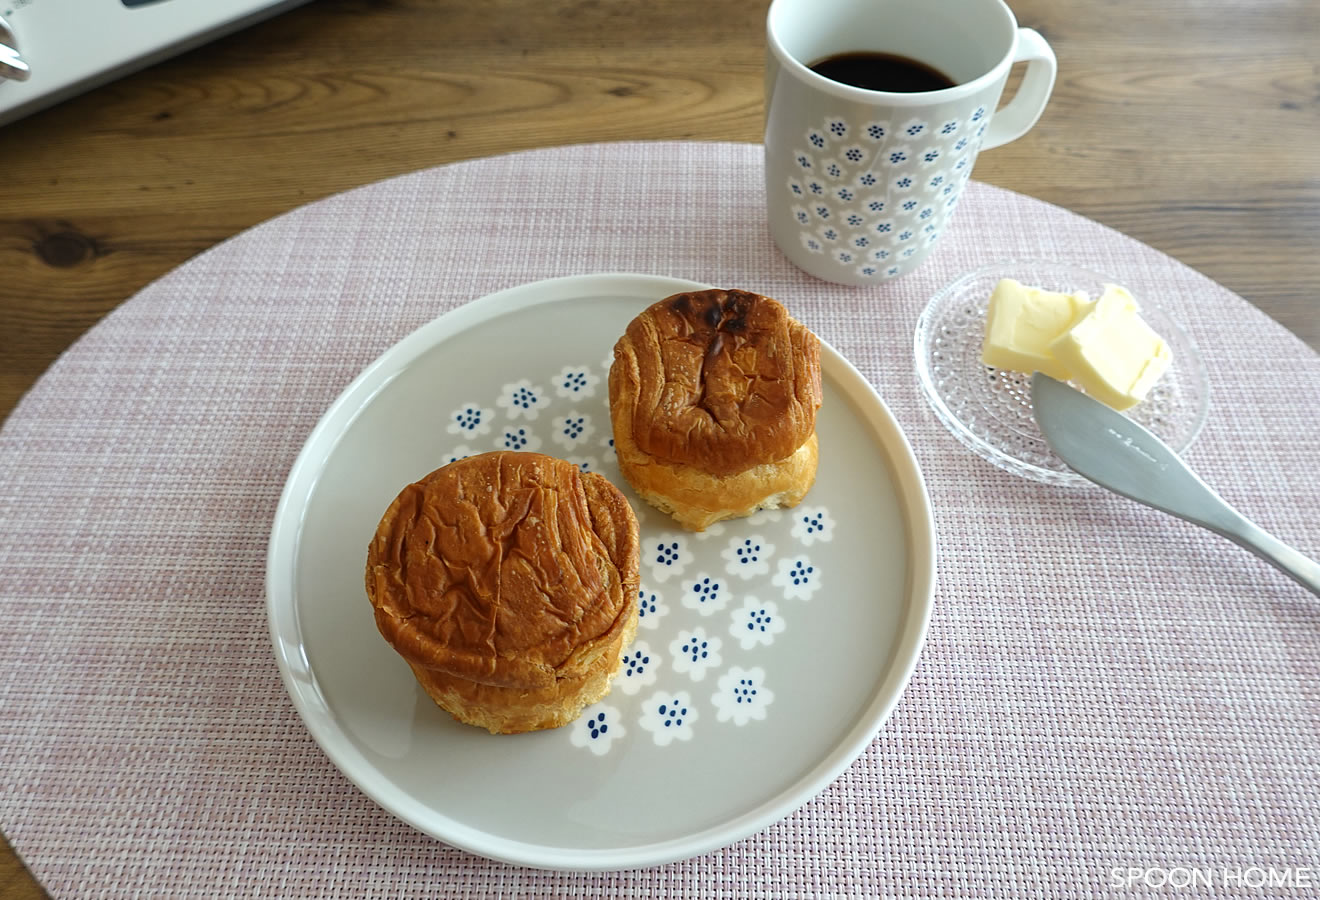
x=989, y=410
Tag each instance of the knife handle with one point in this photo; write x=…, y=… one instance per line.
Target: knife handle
x=1245, y=533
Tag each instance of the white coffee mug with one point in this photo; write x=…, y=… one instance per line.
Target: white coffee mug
x=860, y=183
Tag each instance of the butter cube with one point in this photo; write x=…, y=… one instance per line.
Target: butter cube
x=1023, y=321
x=1112, y=353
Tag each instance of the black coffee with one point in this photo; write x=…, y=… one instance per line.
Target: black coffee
x=882, y=72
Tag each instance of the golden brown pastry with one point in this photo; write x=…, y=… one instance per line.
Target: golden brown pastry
x=713, y=398
x=508, y=582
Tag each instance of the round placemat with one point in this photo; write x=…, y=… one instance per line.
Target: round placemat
x=1102, y=688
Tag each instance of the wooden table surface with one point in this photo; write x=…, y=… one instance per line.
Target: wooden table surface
x=1191, y=125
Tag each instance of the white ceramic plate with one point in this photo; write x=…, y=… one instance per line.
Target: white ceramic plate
x=770, y=649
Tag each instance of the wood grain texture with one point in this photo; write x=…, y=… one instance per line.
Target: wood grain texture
x=1189, y=124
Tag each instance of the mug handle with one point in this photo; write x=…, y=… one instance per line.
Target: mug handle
x=1016, y=119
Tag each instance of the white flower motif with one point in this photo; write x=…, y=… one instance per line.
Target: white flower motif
x=902, y=184
x=715, y=530
x=868, y=270
x=853, y=155
x=522, y=399
x=517, y=437
x=667, y=554
x=836, y=128
x=828, y=234
x=638, y=668
x=928, y=157
x=876, y=131
x=833, y=169
x=576, y=381
x=706, y=593
x=803, y=160
x=797, y=577
x=845, y=256
x=651, y=608
x=801, y=215
x=879, y=255
x=742, y=696
x=470, y=420
x=463, y=451
x=571, y=429
x=897, y=156
x=765, y=516
x=822, y=211
x=812, y=243
x=748, y=557
x=607, y=444
x=585, y=463
x=795, y=188
x=669, y=717
x=912, y=128
x=812, y=524
x=756, y=623
x=599, y=726
x=693, y=652
x=817, y=138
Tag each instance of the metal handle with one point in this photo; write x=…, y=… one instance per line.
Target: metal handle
x=12, y=64
x=1245, y=533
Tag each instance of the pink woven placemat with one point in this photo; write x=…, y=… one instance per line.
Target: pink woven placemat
x=1103, y=687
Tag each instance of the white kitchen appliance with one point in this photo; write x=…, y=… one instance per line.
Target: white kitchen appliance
x=53, y=49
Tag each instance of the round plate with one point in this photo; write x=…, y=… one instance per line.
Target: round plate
x=989, y=409
x=769, y=650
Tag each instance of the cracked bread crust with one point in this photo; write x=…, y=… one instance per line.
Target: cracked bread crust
x=713, y=400
x=508, y=582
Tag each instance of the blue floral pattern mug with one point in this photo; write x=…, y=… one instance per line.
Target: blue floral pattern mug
x=861, y=183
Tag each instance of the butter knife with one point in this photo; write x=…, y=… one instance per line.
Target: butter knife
x=1116, y=453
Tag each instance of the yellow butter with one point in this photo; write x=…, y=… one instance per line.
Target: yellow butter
x=1021, y=324
x=1111, y=351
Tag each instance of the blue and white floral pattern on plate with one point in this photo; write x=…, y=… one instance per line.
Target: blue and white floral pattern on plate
x=470, y=420
x=747, y=557
x=812, y=524
x=522, y=399
x=797, y=577
x=572, y=430
x=518, y=437
x=651, y=608
x=599, y=726
x=575, y=382
x=742, y=696
x=669, y=716
x=756, y=623
x=708, y=594
x=666, y=554
x=694, y=652
x=638, y=669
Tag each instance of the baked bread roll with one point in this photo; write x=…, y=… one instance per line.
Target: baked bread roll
x=713, y=399
x=508, y=582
